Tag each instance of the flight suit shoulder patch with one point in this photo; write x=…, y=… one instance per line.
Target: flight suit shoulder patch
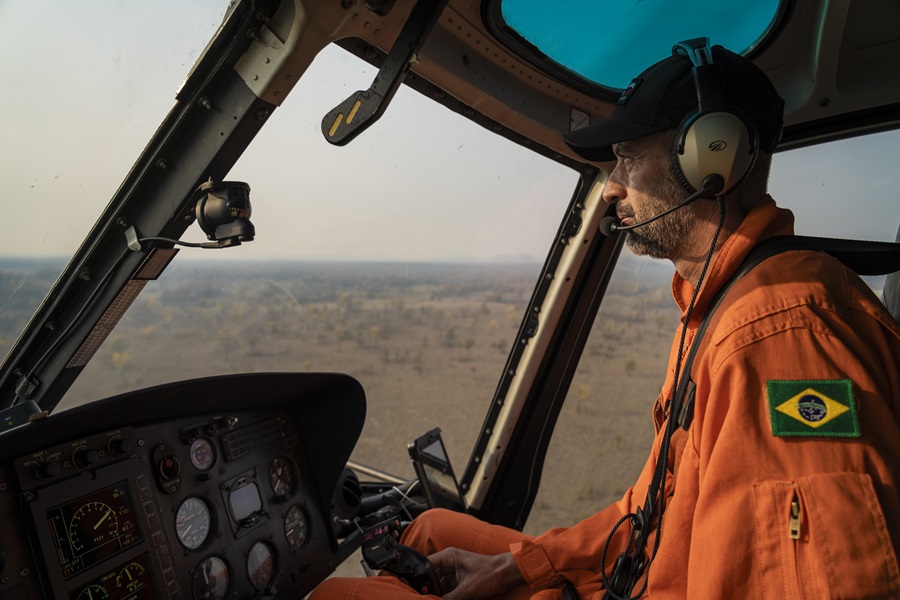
x=812, y=408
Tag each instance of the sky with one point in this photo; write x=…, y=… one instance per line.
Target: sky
x=569, y=38
x=87, y=83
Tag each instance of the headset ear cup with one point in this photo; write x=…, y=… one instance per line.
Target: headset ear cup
x=718, y=142
x=679, y=164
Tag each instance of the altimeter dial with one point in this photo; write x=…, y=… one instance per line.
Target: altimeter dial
x=193, y=522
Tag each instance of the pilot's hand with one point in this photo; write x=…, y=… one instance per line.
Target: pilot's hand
x=473, y=576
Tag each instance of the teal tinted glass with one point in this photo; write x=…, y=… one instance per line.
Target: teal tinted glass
x=609, y=42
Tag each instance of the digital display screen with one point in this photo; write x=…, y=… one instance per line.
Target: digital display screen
x=245, y=501
x=93, y=528
x=439, y=476
x=435, y=474
x=128, y=581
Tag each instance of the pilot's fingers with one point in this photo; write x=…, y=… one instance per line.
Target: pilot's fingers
x=446, y=562
x=450, y=568
x=442, y=557
x=471, y=574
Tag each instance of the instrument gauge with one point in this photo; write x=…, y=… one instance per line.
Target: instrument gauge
x=282, y=477
x=203, y=455
x=261, y=565
x=93, y=592
x=193, y=523
x=132, y=577
x=93, y=524
x=296, y=528
x=211, y=579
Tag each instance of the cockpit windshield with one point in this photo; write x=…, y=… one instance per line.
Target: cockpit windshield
x=415, y=247
x=76, y=114
x=607, y=43
x=444, y=269
x=405, y=258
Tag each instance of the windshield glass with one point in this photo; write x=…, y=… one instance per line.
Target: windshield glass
x=87, y=84
x=608, y=43
x=405, y=259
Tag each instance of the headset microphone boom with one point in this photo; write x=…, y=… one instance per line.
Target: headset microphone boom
x=712, y=184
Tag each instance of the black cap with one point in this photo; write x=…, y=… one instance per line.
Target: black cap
x=664, y=94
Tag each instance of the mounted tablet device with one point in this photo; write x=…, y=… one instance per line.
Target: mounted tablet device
x=435, y=474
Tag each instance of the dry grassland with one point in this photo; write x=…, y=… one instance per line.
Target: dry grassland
x=427, y=342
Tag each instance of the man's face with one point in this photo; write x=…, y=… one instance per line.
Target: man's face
x=642, y=185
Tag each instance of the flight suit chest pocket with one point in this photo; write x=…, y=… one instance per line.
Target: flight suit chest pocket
x=823, y=536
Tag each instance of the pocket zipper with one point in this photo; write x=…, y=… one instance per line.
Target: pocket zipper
x=795, y=522
x=796, y=518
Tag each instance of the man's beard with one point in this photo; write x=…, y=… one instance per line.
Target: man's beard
x=663, y=237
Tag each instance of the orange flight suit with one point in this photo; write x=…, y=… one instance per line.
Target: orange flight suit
x=785, y=485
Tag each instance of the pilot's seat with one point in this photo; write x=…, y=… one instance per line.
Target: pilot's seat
x=891, y=294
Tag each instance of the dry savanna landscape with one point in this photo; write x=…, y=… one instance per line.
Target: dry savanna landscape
x=427, y=341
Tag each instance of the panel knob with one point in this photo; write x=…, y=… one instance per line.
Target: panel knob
x=85, y=457
x=47, y=470
x=119, y=446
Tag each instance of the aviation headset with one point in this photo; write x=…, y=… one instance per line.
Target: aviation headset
x=716, y=138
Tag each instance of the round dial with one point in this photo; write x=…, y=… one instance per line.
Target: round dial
x=193, y=523
x=261, y=565
x=131, y=577
x=93, y=524
x=211, y=579
x=93, y=592
x=282, y=477
x=202, y=454
x=296, y=528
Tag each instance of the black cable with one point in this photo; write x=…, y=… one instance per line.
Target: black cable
x=672, y=419
x=710, y=183
x=101, y=286
x=180, y=243
x=606, y=548
x=662, y=460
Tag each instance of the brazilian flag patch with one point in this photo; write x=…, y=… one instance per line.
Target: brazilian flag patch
x=823, y=408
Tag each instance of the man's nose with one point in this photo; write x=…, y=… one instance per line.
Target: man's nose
x=613, y=191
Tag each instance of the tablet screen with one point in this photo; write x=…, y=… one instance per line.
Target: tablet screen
x=435, y=473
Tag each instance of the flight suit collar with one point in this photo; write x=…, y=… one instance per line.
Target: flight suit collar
x=764, y=220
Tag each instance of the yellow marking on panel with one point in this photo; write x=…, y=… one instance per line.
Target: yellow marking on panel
x=335, y=125
x=353, y=110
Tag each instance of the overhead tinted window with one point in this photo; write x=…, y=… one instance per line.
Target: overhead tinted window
x=607, y=43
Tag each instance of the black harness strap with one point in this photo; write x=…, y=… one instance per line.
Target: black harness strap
x=865, y=258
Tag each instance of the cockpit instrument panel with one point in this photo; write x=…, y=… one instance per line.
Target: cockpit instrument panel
x=180, y=492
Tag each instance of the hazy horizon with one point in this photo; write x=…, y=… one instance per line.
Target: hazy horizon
x=414, y=169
